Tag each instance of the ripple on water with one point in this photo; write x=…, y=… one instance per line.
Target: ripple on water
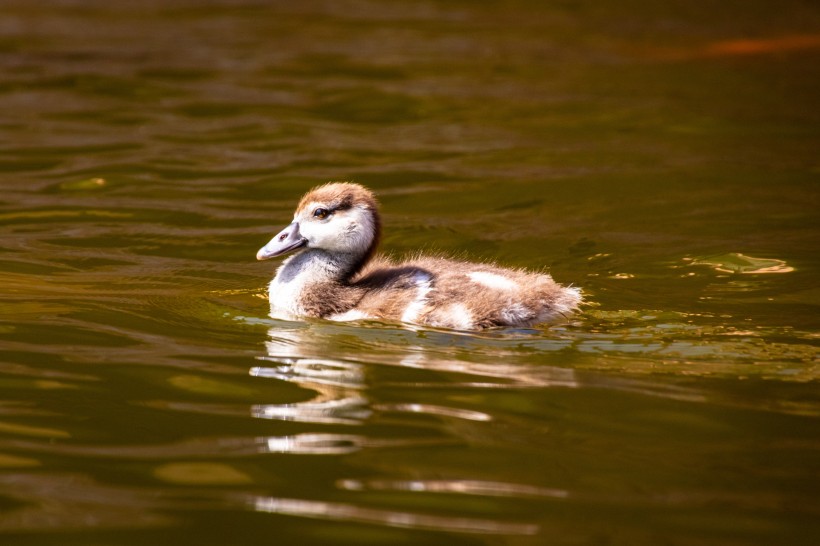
x=735, y=262
x=693, y=344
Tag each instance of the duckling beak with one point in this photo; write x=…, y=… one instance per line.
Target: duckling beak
x=286, y=240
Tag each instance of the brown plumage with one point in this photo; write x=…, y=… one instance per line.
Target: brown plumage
x=334, y=275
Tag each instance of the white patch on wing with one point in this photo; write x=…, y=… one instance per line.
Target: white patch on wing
x=353, y=314
x=412, y=311
x=460, y=317
x=492, y=280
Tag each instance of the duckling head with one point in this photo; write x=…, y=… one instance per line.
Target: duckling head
x=340, y=218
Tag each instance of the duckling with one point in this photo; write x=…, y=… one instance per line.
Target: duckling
x=335, y=275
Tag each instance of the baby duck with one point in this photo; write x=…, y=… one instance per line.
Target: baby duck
x=334, y=274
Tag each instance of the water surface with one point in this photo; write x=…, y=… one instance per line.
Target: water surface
x=662, y=157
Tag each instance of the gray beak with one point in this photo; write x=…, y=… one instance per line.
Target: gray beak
x=286, y=240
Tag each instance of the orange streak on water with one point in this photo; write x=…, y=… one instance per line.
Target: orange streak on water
x=736, y=48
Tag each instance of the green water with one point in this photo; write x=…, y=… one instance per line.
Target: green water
x=662, y=156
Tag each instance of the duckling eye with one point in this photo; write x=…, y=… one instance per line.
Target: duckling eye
x=321, y=213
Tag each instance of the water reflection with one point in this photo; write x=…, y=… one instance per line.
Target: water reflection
x=342, y=385
x=76, y=502
x=337, y=385
x=418, y=384
x=390, y=518
x=309, y=443
x=464, y=487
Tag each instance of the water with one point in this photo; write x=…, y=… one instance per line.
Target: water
x=661, y=156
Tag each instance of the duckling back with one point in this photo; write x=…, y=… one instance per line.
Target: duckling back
x=467, y=296
x=333, y=274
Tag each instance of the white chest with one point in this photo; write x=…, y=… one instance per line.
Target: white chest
x=284, y=299
x=297, y=275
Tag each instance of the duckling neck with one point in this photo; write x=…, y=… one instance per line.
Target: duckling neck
x=316, y=266
x=314, y=283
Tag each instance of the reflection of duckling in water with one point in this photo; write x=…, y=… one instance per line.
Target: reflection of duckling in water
x=333, y=275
